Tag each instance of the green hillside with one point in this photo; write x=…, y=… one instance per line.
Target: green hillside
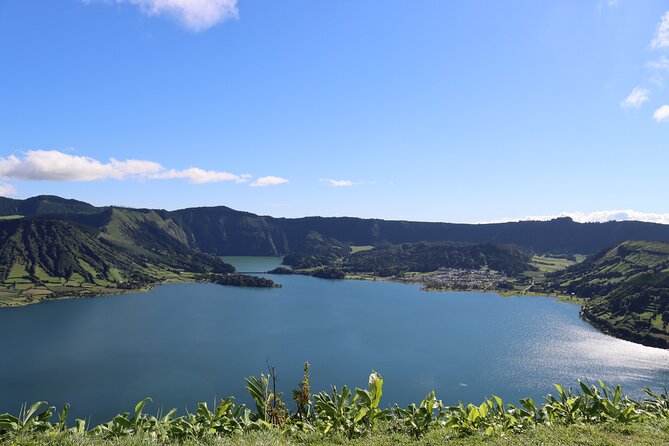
x=223, y=231
x=52, y=247
x=43, y=205
x=42, y=258
x=426, y=257
x=627, y=288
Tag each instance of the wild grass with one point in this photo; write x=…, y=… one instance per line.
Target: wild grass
x=641, y=434
x=547, y=264
x=590, y=414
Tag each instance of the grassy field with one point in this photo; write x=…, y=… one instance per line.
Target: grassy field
x=355, y=249
x=20, y=288
x=547, y=264
x=641, y=434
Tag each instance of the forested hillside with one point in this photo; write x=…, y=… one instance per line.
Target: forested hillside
x=423, y=257
x=627, y=288
x=45, y=258
x=224, y=231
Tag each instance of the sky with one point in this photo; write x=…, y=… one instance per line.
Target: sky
x=471, y=111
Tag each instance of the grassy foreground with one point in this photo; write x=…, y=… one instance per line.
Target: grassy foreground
x=640, y=434
x=589, y=415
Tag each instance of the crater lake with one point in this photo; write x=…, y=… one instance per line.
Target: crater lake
x=185, y=343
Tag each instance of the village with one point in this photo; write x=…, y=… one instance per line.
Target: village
x=460, y=279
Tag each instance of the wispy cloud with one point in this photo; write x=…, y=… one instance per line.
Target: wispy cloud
x=53, y=165
x=601, y=4
x=196, y=15
x=7, y=190
x=661, y=37
x=603, y=216
x=660, y=64
x=662, y=114
x=196, y=175
x=269, y=181
x=659, y=68
x=636, y=98
x=337, y=183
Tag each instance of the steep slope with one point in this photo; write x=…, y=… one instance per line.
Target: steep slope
x=62, y=249
x=628, y=290
x=59, y=249
x=43, y=258
x=224, y=231
x=317, y=251
x=561, y=235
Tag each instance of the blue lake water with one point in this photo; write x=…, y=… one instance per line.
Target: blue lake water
x=185, y=343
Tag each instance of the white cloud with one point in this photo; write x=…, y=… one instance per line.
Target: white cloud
x=601, y=4
x=337, y=183
x=53, y=165
x=58, y=166
x=7, y=190
x=659, y=70
x=196, y=175
x=660, y=64
x=636, y=98
x=661, y=37
x=603, y=216
x=196, y=15
x=135, y=167
x=268, y=181
x=661, y=114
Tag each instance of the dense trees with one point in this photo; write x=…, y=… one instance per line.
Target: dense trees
x=628, y=290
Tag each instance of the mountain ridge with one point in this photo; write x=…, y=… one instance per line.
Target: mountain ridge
x=221, y=230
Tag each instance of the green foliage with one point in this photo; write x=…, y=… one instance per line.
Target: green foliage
x=224, y=231
x=628, y=290
x=351, y=414
x=427, y=257
x=302, y=396
x=240, y=280
x=354, y=414
x=317, y=251
x=270, y=408
x=417, y=421
x=50, y=258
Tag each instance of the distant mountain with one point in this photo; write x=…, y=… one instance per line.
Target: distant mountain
x=561, y=235
x=43, y=205
x=51, y=245
x=224, y=231
x=428, y=257
x=46, y=249
x=628, y=290
x=317, y=251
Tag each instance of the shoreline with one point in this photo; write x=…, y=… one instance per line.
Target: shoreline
x=503, y=293
x=594, y=322
x=618, y=334
x=20, y=301
x=110, y=292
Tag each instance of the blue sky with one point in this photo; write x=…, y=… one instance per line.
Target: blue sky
x=428, y=110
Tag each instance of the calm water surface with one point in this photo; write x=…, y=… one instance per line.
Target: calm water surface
x=185, y=343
